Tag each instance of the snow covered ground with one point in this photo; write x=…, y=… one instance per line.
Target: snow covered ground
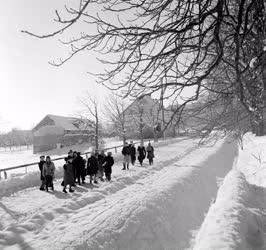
x=150, y=207
x=237, y=220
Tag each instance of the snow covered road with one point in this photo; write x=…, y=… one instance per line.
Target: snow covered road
x=156, y=207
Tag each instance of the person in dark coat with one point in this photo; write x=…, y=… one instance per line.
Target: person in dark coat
x=101, y=160
x=42, y=161
x=70, y=154
x=150, y=153
x=74, y=156
x=132, y=152
x=142, y=153
x=126, y=154
x=109, y=162
x=68, y=175
x=79, y=167
x=83, y=168
x=48, y=173
x=92, y=167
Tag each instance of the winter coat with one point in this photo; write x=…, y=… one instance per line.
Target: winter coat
x=78, y=164
x=68, y=174
x=126, y=150
x=150, y=152
x=132, y=150
x=101, y=161
x=109, y=162
x=142, y=152
x=48, y=169
x=92, y=165
x=41, y=167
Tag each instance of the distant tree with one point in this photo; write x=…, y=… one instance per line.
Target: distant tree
x=90, y=112
x=115, y=107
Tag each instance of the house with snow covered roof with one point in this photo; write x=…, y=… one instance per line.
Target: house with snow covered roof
x=143, y=114
x=56, y=131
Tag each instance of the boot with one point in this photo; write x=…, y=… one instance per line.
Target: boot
x=64, y=190
x=71, y=190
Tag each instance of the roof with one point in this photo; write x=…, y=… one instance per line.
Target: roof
x=64, y=122
x=67, y=123
x=143, y=97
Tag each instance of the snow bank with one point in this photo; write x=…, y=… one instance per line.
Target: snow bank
x=32, y=179
x=226, y=222
x=252, y=159
x=237, y=219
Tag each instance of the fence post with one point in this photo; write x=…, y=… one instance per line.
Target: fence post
x=5, y=174
x=26, y=170
x=115, y=150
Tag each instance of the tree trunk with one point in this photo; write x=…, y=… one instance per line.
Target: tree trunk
x=96, y=131
x=155, y=135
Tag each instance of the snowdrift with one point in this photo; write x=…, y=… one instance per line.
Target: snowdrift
x=237, y=219
x=225, y=225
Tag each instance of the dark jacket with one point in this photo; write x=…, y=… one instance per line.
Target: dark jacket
x=142, y=152
x=68, y=174
x=109, y=162
x=101, y=160
x=150, y=152
x=78, y=163
x=41, y=167
x=126, y=150
x=92, y=165
x=132, y=150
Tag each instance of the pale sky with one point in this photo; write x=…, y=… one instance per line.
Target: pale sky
x=30, y=87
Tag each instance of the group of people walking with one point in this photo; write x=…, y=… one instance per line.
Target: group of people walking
x=75, y=170
x=96, y=166
x=129, y=153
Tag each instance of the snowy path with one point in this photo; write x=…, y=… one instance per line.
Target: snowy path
x=154, y=207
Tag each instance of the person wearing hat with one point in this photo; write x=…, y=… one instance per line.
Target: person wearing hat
x=68, y=175
x=42, y=161
x=126, y=154
x=150, y=153
x=101, y=161
x=92, y=167
x=142, y=153
x=79, y=168
x=132, y=153
x=109, y=162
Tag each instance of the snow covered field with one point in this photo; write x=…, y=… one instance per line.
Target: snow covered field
x=20, y=157
x=157, y=207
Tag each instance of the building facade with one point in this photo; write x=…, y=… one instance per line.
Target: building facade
x=55, y=131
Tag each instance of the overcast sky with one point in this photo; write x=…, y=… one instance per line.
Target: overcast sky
x=30, y=87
